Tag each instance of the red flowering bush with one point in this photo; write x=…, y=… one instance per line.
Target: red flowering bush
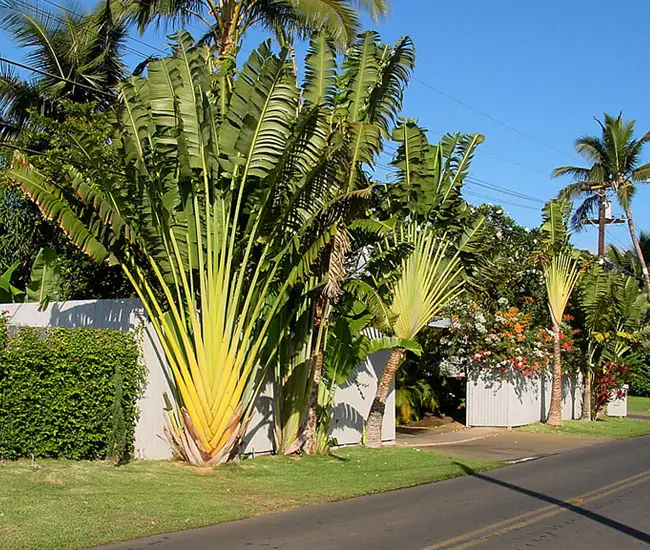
x=608, y=384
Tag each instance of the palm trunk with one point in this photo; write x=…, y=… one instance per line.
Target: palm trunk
x=637, y=248
x=586, y=396
x=322, y=317
x=555, y=411
x=375, y=420
x=311, y=446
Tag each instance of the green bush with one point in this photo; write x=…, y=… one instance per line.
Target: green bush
x=640, y=380
x=68, y=393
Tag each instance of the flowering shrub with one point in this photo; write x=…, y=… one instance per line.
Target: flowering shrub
x=504, y=340
x=608, y=383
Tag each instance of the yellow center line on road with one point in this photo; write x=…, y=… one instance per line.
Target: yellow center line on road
x=473, y=538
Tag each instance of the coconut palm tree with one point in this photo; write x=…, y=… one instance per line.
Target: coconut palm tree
x=615, y=167
x=78, y=58
x=228, y=20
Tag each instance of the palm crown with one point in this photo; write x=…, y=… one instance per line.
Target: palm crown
x=615, y=158
x=228, y=20
x=78, y=57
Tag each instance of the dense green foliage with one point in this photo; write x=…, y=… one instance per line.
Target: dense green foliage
x=640, y=378
x=24, y=231
x=58, y=389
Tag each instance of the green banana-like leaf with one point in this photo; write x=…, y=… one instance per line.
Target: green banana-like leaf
x=43, y=286
x=384, y=343
x=320, y=72
x=8, y=292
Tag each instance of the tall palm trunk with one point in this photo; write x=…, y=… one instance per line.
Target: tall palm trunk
x=555, y=411
x=637, y=247
x=376, y=417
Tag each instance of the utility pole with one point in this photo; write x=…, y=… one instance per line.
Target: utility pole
x=602, y=213
x=605, y=218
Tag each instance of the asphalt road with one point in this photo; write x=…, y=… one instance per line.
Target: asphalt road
x=595, y=498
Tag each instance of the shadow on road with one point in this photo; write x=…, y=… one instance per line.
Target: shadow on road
x=613, y=524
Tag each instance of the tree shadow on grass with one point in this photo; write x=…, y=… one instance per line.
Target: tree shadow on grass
x=598, y=518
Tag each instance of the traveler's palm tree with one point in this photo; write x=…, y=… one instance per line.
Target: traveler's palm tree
x=79, y=56
x=222, y=201
x=615, y=158
x=228, y=20
x=362, y=100
x=414, y=291
x=561, y=275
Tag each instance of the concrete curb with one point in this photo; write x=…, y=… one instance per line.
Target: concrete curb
x=459, y=442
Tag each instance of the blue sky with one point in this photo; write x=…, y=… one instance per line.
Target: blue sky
x=528, y=75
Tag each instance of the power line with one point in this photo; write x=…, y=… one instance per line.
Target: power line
x=471, y=180
x=44, y=13
x=618, y=241
x=490, y=117
x=135, y=39
x=52, y=75
x=482, y=151
x=499, y=200
x=505, y=190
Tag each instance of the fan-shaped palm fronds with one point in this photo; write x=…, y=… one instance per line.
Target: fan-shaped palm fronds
x=430, y=177
x=229, y=215
x=429, y=278
x=347, y=104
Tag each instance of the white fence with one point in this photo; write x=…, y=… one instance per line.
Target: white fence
x=511, y=399
x=351, y=406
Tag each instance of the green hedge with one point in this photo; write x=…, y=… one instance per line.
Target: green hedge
x=68, y=393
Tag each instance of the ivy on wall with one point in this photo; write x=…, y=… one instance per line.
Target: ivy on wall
x=68, y=393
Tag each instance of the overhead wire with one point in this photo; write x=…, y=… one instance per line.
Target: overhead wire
x=492, y=188
x=491, y=118
x=44, y=13
x=52, y=75
x=499, y=200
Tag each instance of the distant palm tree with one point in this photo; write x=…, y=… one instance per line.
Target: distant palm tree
x=78, y=57
x=228, y=20
x=615, y=167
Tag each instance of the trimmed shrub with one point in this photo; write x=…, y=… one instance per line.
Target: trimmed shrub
x=68, y=393
x=640, y=380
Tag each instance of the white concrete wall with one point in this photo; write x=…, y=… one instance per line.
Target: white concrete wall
x=351, y=405
x=510, y=400
x=353, y=401
x=618, y=405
